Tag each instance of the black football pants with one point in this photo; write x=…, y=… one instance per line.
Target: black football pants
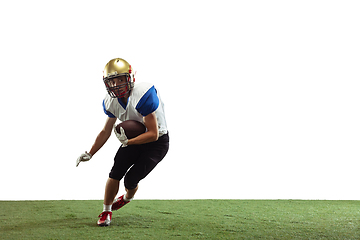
x=135, y=162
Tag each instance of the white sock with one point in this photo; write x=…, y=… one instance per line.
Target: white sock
x=107, y=208
x=126, y=199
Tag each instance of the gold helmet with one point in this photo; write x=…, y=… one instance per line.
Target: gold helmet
x=116, y=68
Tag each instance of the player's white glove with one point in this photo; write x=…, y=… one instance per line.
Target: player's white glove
x=122, y=136
x=83, y=158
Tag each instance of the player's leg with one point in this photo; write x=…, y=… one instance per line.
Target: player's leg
x=111, y=189
x=151, y=155
x=130, y=193
x=123, y=160
x=124, y=199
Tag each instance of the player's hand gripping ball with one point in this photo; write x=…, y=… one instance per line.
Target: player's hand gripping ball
x=127, y=130
x=122, y=136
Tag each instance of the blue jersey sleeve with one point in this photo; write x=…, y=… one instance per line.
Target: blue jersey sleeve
x=148, y=103
x=110, y=115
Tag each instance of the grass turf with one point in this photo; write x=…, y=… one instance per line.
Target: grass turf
x=182, y=219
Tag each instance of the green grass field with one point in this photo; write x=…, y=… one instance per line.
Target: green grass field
x=182, y=219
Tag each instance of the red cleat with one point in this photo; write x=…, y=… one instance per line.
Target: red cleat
x=118, y=203
x=105, y=219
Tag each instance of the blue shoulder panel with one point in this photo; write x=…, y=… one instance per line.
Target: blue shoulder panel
x=148, y=103
x=110, y=115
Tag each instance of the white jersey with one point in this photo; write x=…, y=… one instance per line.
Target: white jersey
x=144, y=99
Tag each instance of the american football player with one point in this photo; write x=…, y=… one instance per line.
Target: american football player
x=138, y=156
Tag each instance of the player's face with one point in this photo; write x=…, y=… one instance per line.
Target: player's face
x=118, y=86
x=118, y=81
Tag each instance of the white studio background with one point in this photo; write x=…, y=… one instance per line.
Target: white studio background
x=262, y=97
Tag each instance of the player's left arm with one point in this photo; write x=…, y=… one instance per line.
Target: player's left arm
x=152, y=133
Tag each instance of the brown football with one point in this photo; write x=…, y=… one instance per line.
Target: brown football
x=132, y=128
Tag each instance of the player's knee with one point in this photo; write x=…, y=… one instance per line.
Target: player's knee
x=115, y=175
x=130, y=182
x=131, y=186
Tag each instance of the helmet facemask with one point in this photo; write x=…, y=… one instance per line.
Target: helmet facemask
x=118, y=90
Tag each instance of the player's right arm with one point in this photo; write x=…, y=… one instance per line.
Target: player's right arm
x=103, y=136
x=99, y=141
